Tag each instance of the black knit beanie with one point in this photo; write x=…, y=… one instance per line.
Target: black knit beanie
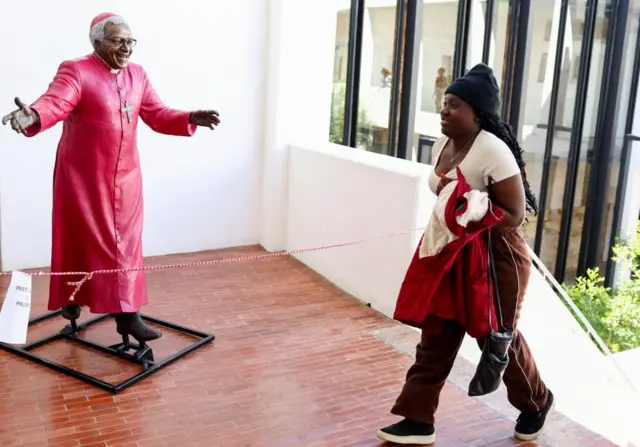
x=479, y=89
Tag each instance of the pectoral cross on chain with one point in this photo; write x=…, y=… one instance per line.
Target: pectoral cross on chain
x=127, y=109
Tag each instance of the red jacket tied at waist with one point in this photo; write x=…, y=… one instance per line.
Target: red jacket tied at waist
x=452, y=284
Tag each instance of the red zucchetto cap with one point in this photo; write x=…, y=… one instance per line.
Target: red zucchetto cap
x=101, y=17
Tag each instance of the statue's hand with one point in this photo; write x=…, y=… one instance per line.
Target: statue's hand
x=206, y=118
x=21, y=119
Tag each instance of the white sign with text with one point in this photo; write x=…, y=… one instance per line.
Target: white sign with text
x=16, y=308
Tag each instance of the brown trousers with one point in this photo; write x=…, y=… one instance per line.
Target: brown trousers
x=436, y=353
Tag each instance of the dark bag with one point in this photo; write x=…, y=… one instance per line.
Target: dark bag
x=495, y=352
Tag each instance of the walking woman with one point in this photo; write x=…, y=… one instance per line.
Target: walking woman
x=485, y=150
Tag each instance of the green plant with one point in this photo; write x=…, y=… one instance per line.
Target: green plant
x=613, y=313
x=336, y=129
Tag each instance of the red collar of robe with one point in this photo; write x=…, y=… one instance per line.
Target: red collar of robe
x=454, y=283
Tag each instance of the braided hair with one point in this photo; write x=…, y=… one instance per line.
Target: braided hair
x=493, y=124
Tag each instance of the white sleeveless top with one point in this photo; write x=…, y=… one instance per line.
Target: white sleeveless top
x=488, y=157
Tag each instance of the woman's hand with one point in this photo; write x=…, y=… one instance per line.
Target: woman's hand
x=444, y=181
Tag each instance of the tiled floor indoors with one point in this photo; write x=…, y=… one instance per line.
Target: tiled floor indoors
x=296, y=362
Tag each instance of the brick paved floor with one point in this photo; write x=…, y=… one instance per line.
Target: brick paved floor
x=296, y=362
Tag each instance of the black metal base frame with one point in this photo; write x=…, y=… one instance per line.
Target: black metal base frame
x=132, y=352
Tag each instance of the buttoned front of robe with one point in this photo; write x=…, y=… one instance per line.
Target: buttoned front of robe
x=97, y=183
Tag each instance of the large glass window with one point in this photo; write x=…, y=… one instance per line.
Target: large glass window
x=535, y=110
x=336, y=130
x=498, y=39
x=437, y=48
x=376, y=75
x=589, y=131
x=621, y=118
x=549, y=90
x=498, y=43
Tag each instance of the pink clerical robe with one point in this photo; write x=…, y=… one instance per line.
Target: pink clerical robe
x=97, y=183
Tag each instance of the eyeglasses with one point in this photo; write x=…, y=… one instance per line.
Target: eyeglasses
x=118, y=41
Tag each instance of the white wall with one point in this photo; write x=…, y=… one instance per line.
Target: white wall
x=200, y=193
x=338, y=195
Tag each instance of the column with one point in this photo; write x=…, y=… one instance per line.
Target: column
x=297, y=104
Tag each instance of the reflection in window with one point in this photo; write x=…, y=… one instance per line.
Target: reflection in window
x=535, y=115
x=437, y=45
x=625, y=86
x=336, y=129
x=376, y=76
x=542, y=72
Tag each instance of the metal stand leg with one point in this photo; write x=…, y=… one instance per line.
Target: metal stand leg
x=141, y=354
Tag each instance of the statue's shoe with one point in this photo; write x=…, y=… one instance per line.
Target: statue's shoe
x=71, y=312
x=132, y=324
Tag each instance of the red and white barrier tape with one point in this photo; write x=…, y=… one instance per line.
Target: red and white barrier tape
x=86, y=276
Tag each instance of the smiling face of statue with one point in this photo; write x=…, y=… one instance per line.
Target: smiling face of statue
x=117, y=45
